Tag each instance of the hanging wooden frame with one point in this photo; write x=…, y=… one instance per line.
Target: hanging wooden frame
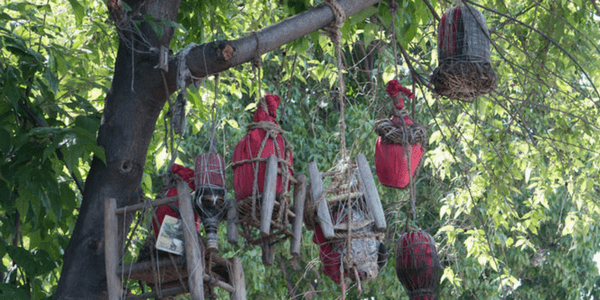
x=345, y=207
x=174, y=277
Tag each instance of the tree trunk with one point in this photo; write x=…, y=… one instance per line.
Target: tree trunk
x=132, y=106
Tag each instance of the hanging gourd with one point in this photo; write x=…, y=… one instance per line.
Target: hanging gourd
x=172, y=209
x=465, y=70
x=262, y=174
x=400, y=145
x=346, y=214
x=417, y=265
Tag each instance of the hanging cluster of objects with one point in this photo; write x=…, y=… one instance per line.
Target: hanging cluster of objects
x=398, y=156
x=343, y=207
x=465, y=70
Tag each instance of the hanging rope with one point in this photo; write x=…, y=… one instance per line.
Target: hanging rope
x=212, y=147
x=334, y=33
x=408, y=134
x=256, y=67
x=393, y=7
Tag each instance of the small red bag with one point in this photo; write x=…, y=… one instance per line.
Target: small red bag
x=249, y=147
x=187, y=175
x=391, y=161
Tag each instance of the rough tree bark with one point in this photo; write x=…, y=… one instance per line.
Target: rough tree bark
x=131, y=108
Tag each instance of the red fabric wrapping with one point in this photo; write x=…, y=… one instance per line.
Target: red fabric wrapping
x=248, y=148
x=330, y=259
x=187, y=175
x=448, y=43
x=391, y=161
x=417, y=259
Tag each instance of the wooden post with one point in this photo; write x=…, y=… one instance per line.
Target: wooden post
x=316, y=189
x=237, y=280
x=370, y=192
x=232, y=221
x=268, y=196
x=111, y=249
x=193, y=249
x=299, y=199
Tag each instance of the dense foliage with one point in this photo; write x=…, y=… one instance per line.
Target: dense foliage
x=508, y=187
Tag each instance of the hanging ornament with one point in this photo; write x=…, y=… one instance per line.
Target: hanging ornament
x=262, y=174
x=400, y=143
x=209, y=199
x=417, y=265
x=465, y=69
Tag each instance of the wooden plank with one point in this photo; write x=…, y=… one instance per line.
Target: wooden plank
x=232, y=222
x=268, y=253
x=268, y=196
x=369, y=189
x=237, y=280
x=193, y=249
x=299, y=199
x=316, y=189
x=111, y=249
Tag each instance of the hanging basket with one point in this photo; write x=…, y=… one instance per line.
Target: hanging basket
x=465, y=69
x=396, y=136
x=417, y=265
x=262, y=170
x=209, y=199
x=348, y=221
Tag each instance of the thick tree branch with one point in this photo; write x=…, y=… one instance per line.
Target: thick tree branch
x=217, y=57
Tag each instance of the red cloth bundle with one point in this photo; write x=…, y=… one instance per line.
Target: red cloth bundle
x=187, y=175
x=391, y=161
x=249, y=147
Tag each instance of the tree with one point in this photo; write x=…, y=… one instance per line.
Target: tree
x=508, y=184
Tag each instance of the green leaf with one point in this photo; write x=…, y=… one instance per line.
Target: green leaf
x=52, y=79
x=78, y=10
x=10, y=291
x=22, y=258
x=5, y=141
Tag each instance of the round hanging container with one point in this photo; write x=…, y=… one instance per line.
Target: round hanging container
x=417, y=265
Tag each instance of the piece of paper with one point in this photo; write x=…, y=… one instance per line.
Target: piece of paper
x=170, y=236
